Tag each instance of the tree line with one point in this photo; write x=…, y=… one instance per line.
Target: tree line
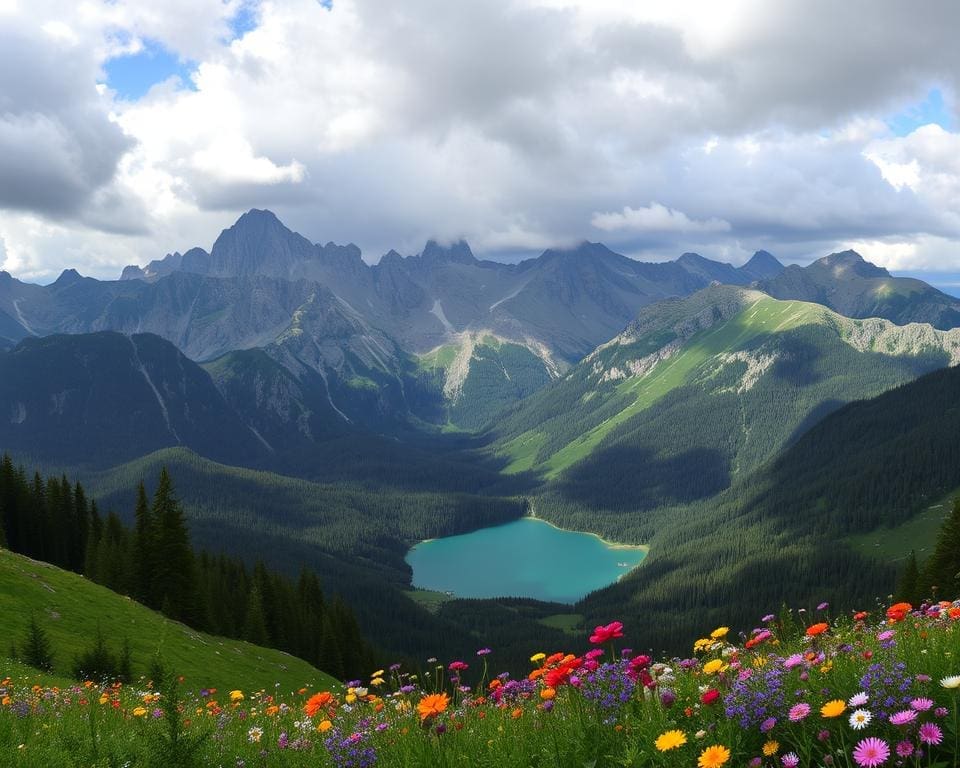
x=153, y=562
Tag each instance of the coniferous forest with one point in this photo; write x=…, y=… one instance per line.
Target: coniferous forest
x=153, y=562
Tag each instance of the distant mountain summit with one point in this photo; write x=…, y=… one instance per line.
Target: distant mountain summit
x=564, y=302
x=848, y=284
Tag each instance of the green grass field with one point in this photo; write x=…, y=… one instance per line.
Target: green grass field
x=70, y=609
x=764, y=316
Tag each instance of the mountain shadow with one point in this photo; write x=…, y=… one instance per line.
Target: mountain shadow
x=635, y=478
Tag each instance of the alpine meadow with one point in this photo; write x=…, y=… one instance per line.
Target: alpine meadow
x=517, y=383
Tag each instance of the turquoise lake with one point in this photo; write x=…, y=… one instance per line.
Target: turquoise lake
x=525, y=558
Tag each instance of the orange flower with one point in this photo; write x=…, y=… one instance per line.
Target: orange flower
x=432, y=705
x=317, y=702
x=817, y=629
x=898, y=611
x=547, y=693
x=516, y=713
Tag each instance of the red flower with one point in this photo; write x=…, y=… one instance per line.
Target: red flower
x=817, y=629
x=898, y=611
x=860, y=615
x=605, y=634
x=710, y=696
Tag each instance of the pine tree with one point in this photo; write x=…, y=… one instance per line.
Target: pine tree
x=255, y=625
x=36, y=647
x=943, y=568
x=144, y=543
x=174, y=573
x=909, y=587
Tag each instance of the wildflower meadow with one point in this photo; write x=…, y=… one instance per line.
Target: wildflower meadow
x=871, y=689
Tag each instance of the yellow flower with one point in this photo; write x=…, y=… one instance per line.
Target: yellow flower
x=378, y=673
x=377, y=681
x=719, y=632
x=771, y=748
x=236, y=696
x=759, y=661
x=713, y=757
x=833, y=708
x=324, y=726
x=538, y=657
x=670, y=740
x=702, y=644
x=713, y=666
x=139, y=711
x=104, y=698
x=350, y=698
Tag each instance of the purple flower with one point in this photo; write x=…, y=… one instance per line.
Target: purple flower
x=484, y=652
x=823, y=606
x=871, y=752
x=767, y=725
x=769, y=617
x=790, y=760
x=904, y=749
x=930, y=733
x=904, y=717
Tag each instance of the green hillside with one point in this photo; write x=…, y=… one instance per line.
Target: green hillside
x=480, y=374
x=726, y=377
x=71, y=609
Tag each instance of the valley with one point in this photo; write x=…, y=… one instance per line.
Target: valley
x=318, y=411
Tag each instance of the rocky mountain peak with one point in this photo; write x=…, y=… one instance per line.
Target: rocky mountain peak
x=852, y=262
x=763, y=264
x=455, y=253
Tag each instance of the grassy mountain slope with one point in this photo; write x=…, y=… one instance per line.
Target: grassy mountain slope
x=481, y=373
x=794, y=530
x=725, y=377
x=856, y=288
x=70, y=609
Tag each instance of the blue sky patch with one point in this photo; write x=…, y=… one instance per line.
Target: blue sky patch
x=931, y=110
x=132, y=76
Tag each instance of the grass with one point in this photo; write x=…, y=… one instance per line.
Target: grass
x=566, y=622
x=919, y=533
x=730, y=701
x=764, y=316
x=70, y=609
x=429, y=598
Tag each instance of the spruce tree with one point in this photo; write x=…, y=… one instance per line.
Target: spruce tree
x=174, y=573
x=144, y=544
x=36, y=647
x=909, y=587
x=255, y=625
x=943, y=568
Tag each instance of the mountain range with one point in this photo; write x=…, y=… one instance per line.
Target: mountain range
x=635, y=400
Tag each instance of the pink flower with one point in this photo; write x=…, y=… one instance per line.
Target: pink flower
x=904, y=749
x=799, y=711
x=793, y=661
x=904, y=717
x=871, y=752
x=790, y=760
x=922, y=704
x=604, y=634
x=930, y=733
x=457, y=666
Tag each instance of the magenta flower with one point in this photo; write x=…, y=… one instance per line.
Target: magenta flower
x=922, y=704
x=930, y=733
x=799, y=711
x=904, y=717
x=871, y=752
x=904, y=749
x=790, y=760
x=793, y=661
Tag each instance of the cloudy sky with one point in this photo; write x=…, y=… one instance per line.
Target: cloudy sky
x=132, y=128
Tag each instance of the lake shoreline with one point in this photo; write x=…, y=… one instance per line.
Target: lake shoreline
x=609, y=544
x=435, y=570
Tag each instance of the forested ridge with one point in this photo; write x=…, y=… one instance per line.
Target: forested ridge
x=54, y=520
